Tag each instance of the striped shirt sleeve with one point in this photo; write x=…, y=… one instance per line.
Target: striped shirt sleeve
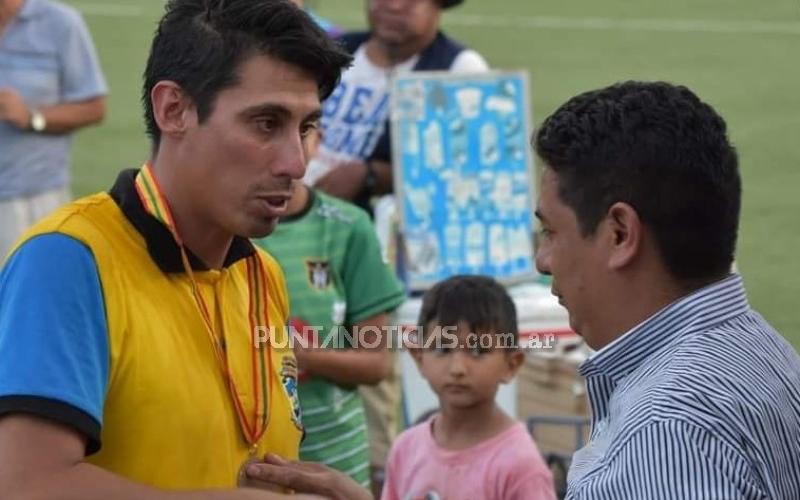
x=370, y=284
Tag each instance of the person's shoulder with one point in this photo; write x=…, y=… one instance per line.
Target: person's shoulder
x=515, y=443
x=95, y=221
x=352, y=40
x=446, y=53
x=58, y=12
x=93, y=211
x=269, y=261
x=42, y=267
x=47, y=247
x=339, y=211
x=706, y=380
x=469, y=61
x=514, y=460
x=743, y=350
x=413, y=438
x=465, y=60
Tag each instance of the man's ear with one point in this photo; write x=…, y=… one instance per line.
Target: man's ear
x=514, y=361
x=625, y=232
x=172, y=108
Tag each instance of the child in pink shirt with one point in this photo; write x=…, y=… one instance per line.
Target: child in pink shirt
x=470, y=449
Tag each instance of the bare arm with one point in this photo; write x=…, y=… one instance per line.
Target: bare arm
x=69, y=116
x=362, y=365
x=44, y=460
x=308, y=477
x=60, y=118
x=346, y=181
x=384, y=177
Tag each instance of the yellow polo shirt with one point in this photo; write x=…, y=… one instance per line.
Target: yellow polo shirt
x=168, y=419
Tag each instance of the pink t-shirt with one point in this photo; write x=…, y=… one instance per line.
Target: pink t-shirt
x=505, y=467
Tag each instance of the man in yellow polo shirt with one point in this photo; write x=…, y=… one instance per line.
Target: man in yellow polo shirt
x=132, y=355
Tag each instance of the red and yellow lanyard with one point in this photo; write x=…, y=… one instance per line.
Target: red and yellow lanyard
x=260, y=355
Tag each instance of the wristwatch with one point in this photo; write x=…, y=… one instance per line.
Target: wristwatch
x=38, y=122
x=371, y=178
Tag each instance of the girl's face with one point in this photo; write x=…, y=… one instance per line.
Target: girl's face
x=466, y=368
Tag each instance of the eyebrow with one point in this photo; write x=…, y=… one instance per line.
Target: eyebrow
x=314, y=116
x=279, y=110
x=266, y=109
x=540, y=216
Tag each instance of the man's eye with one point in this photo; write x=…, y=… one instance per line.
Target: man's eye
x=309, y=129
x=265, y=125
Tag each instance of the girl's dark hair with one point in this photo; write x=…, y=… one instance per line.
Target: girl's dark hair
x=479, y=301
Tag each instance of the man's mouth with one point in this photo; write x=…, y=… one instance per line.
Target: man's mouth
x=276, y=204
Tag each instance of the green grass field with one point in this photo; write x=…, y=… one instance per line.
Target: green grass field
x=742, y=56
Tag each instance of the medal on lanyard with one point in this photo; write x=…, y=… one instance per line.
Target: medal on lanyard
x=260, y=357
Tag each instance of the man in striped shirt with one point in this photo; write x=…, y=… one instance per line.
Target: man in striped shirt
x=693, y=394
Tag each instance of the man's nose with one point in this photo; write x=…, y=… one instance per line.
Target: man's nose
x=291, y=162
x=543, y=260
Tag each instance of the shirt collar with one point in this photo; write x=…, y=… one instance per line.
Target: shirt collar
x=312, y=198
x=701, y=309
x=162, y=247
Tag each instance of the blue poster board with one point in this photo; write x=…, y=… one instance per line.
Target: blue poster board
x=463, y=174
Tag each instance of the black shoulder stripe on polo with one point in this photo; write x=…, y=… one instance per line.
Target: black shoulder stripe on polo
x=56, y=411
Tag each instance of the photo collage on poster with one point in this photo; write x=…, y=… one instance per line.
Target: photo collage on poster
x=463, y=175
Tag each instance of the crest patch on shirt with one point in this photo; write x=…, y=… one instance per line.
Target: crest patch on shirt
x=319, y=275
x=289, y=382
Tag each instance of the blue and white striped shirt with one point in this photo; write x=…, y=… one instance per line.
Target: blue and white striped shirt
x=700, y=401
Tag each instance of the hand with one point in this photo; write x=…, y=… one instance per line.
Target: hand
x=13, y=109
x=304, y=357
x=344, y=181
x=308, y=478
x=256, y=484
x=308, y=339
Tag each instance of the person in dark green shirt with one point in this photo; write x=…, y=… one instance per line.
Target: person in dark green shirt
x=338, y=284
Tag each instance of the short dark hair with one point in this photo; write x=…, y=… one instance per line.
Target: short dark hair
x=479, y=301
x=660, y=149
x=200, y=44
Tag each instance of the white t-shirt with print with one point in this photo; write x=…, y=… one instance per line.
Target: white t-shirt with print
x=355, y=114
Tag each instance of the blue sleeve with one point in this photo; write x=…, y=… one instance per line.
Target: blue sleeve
x=54, y=356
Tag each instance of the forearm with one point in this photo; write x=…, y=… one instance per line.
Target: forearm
x=350, y=180
x=68, y=116
x=87, y=482
x=384, y=177
x=349, y=366
x=345, y=489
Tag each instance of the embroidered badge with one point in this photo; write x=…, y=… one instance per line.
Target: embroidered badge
x=319, y=273
x=289, y=382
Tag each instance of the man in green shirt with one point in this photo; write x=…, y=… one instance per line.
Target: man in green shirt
x=338, y=286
